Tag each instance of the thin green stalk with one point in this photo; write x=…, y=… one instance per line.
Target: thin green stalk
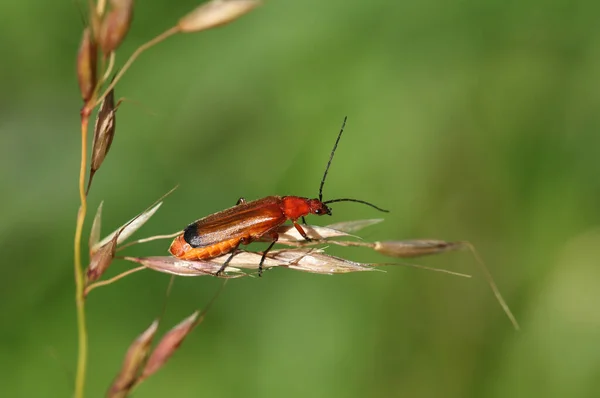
x=79, y=278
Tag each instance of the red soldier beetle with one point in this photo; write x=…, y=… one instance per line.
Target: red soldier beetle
x=223, y=232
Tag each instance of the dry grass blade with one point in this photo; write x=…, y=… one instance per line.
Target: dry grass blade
x=246, y=260
x=168, y=345
x=134, y=360
x=301, y=259
x=174, y=266
x=353, y=226
x=372, y=246
x=309, y=260
x=96, y=227
x=317, y=262
x=289, y=234
x=131, y=226
x=215, y=13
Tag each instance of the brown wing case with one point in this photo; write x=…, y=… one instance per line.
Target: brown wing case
x=248, y=221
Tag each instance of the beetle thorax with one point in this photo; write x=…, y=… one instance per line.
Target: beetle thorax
x=295, y=207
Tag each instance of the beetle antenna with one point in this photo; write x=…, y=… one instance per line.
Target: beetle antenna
x=357, y=201
x=331, y=158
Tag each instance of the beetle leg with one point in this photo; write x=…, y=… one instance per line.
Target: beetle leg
x=301, y=231
x=226, y=263
x=241, y=201
x=262, y=259
x=304, y=220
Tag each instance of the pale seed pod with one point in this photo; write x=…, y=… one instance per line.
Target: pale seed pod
x=215, y=13
x=414, y=248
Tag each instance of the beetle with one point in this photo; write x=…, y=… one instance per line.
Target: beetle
x=223, y=232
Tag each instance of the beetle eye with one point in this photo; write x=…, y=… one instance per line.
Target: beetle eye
x=318, y=211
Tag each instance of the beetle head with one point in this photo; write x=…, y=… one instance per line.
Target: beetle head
x=319, y=208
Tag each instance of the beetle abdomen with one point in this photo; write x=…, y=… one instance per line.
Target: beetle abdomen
x=183, y=250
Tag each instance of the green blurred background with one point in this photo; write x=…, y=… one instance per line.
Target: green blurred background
x=470, y=120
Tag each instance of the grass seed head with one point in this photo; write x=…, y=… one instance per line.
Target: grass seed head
x=115, y=25
x=87, y=57
x=104, y=132
x=133, y=362
x=168, y=345
x=101, y=260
